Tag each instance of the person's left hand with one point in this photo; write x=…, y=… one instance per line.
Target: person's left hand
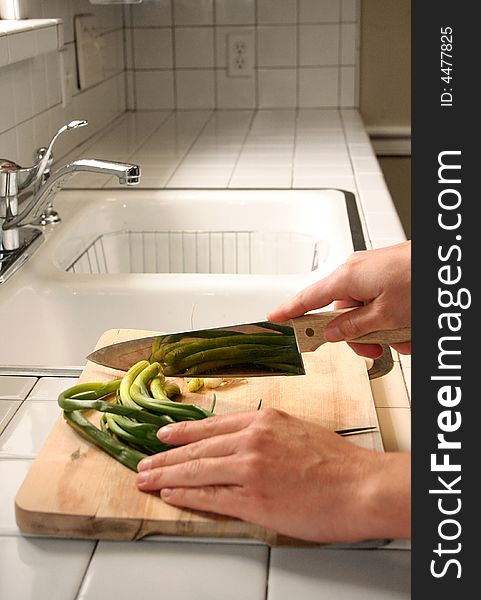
x=288, y=475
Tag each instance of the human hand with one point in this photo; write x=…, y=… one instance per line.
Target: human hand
x=378, y=281
x=280, y=472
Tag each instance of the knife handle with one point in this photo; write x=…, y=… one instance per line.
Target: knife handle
x=310, y=332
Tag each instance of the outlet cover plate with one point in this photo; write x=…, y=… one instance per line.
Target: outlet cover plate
x=240, y=54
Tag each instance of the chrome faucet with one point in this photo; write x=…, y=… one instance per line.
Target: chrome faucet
x=26, y=198
x=127, y=174
x=40, y=187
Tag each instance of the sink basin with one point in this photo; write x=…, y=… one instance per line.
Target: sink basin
x=168, y=260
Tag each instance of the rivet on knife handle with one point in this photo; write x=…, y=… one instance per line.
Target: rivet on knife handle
x=310, y=332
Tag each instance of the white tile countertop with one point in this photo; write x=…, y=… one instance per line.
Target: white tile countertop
x=210, y=149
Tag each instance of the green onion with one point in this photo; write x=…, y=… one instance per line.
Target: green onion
x=133, y=409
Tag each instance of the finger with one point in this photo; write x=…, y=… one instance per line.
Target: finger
x=193, y=473
x=353, y=324
x=367, y=350
x=224, y=500
x=347, y=303
x=220, y=445
x=187, y=432
x=333, y=287
x=403, y=347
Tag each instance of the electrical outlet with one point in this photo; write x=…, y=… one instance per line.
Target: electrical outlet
x=240, y=54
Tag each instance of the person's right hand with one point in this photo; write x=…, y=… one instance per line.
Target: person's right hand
x=377, y=281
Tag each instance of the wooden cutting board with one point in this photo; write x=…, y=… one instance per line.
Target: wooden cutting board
x=74, y=489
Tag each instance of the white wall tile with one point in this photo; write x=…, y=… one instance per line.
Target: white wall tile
x=195, y=88
x=277, y=11
x=21, y=46
x=53, y=80
x=318, y=87
x=348, y=93
x=348, y=43
x=130, y=84
x=277, y=46
x=56, y=9
x=112, y=53
x=277, y=88
x=39, y=84
x=129, y=47
x=46, y=39
x=25, y=142
x=7, y=113
x=322, y=11
x=194, y=47
x=3, y=50
x=41, y=131
x=152, y=48
x=318, y=45
x=153, y=14
x=221, y=40
x=154, y=89
x=8, y=145
x=22, y=91
x=235, y=12
x=350, y=10
x=193, y=12
x=235, y=92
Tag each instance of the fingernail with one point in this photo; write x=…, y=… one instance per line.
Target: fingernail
x=164, y=432
x=143, y=477
x=145, y=464
x=333, y=334
x=165, y=492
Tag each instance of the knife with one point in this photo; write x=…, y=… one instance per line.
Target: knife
x=245, y=350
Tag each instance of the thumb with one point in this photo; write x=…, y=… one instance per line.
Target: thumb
x=353, y=324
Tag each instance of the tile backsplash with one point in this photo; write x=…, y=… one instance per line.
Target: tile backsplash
x=38, y=95
x=178, y=54
x=304, y=53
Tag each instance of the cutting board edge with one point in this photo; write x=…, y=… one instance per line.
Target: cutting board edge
x=126, y=529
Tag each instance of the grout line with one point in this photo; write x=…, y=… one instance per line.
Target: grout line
x=242, y=146
x=256, y=54
x=298, y=55
x=133, y=68
x=339, y=65
x=174, y=58
x=294, y=146
x=233, y=25
x=255, y=68
x=83, y=578
x=214, y=50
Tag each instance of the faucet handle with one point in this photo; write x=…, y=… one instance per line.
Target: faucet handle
x=44, y=156
x=8, y=178
x=26, y=176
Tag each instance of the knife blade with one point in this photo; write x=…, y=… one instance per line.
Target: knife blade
x=243, y=350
